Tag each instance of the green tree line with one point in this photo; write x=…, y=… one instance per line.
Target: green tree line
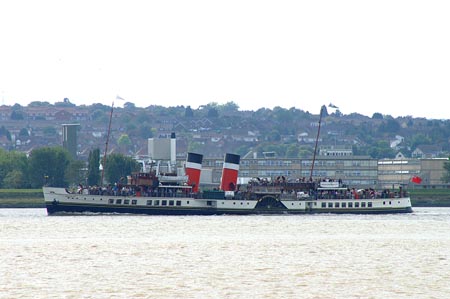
x=54, y=166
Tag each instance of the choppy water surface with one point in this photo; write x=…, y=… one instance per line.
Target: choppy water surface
x=309, y=256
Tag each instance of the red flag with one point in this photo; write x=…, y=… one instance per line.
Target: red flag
x=416, y=179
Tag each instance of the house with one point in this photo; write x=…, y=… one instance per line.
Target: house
x=427, y=151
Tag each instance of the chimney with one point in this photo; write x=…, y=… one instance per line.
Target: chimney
x=173, y=149
x=230, y=172
x=193, y=170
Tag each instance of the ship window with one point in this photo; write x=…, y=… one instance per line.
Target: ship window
x=187, y=202
x=118, y=201
x=171, y=202
x=149, y=202
x=134, y=201
x=336, y=205
x=356, y=204
x=164, y=202
x=111, y=200
x=350, y=205
x=156, y=202
x=390, y=202
x=344, y=204
x=369, y=204
x=330, y=204
x=363, y=204
x=178, y=202
x=324, y=205
x=126, y=202
x=209, y=203
x=384, y=203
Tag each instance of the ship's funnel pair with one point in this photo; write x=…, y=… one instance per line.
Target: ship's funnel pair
x=230, y=171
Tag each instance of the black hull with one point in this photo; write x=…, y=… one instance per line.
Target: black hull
x=58, y=209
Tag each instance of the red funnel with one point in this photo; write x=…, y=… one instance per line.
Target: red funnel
x=230, y=172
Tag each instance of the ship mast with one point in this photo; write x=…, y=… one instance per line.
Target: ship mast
x=315, y=147
x=106, y=144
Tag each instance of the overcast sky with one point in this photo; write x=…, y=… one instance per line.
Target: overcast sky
x=391, y=57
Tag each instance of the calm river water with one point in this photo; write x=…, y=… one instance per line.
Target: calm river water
x=311, y=256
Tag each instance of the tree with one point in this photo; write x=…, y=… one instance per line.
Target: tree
x=14, y=179
x=93, y=175
x=292, y=151
x=129, y=105
x=381, y=150
x=377, y=115
x=118, y=167
x=390, y=126
x=229, y=108
x=23, y=132
x=146, y=131
x=39, y=104
x=13, y=169
x=47, y=165
x=5, y=132
x=17, y=115
x=124, y=142
x=213, y=113
x=188, y=112
x=76, y=172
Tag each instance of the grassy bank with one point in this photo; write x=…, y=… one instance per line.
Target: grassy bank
x=21, y=198
x=430, y=197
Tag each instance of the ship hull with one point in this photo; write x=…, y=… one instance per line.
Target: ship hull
x=59, y=201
